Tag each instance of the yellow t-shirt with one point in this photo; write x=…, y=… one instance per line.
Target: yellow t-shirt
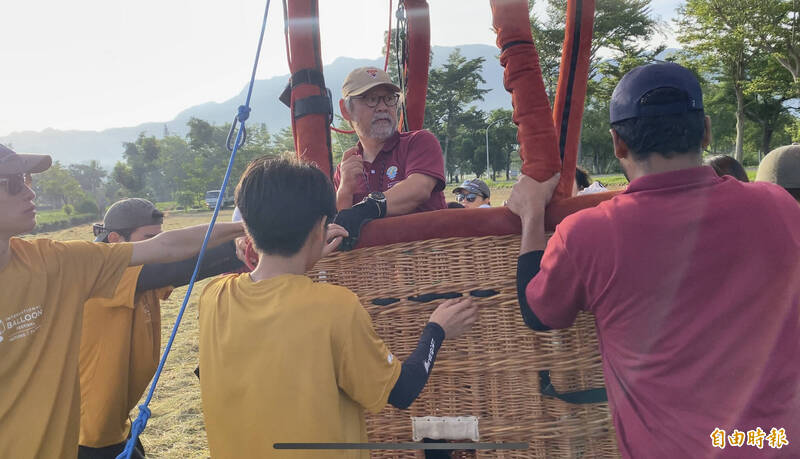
x=120, y=349
x=287, y=360
x=42, y=291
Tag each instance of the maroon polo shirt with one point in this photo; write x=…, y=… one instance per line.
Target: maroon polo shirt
x=403, y=154
x=694, y=281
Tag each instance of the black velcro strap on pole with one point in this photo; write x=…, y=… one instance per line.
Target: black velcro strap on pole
x=313, y=105
x=576, y=398
x=515, y=43
x=302, y=76
x=308, y=76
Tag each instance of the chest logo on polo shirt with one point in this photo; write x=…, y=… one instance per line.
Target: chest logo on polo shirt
x=391, y=172
x=21, y=324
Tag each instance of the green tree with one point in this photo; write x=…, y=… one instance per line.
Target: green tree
x=619, y=26
x=58, y=187
x=766, y=97
x=502, y=141
x=717, y=31
x=451, y=88
x=89, y=175
x=776, y=31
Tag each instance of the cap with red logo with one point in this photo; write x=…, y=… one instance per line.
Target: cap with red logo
x=363, y=79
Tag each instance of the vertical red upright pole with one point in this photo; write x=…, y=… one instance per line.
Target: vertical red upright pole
x=419, y=52
x=571, y=93
x=311, y=132
x=523, y=79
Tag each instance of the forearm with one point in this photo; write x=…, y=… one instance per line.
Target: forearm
x=183, y=243
x=405, y=197
x=528, y=265
x=417, y=368
x=344, y=198
x=216, y=261
x=532, y=233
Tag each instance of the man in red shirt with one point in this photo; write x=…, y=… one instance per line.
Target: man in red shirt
x=697, y=311
x=388, y=172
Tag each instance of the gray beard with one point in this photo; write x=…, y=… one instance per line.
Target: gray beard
x=382, y=132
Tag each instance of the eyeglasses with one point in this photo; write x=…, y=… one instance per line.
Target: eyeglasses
x=372, y=100
x=471, y=197
x=14, y=184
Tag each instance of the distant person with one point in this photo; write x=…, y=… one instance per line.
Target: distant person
x=782, y=167
x=473, y=194
x=44, y=285
x=727, y=165
x=388, y=172
x=696, y=340
x=286, y=359
x=583, y=183
x=121, y=340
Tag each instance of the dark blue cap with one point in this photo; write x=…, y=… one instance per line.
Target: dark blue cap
x=627, y=97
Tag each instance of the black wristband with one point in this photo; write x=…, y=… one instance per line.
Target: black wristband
x=354, y=218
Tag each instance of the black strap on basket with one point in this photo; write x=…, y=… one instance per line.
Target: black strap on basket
x=580, y=397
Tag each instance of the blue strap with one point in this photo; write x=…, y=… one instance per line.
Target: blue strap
x=243, y=113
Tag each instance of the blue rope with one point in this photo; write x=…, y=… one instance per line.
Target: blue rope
x=243, y=113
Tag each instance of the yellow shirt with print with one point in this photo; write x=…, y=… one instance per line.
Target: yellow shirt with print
x=288, y=360
x=43, y=290
x=120, y=349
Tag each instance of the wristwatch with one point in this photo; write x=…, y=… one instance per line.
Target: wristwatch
x=380, y=200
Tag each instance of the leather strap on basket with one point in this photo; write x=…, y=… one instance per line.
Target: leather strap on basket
x=580, y=397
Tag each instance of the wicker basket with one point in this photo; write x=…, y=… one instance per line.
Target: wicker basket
x=493, y=371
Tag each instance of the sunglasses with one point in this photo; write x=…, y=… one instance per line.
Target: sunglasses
x=471, y=197
x=14, y=184
x=372, y=100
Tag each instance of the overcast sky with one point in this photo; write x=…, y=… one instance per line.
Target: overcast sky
x=96, y=64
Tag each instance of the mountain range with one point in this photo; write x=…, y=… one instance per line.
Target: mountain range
x=76, y=146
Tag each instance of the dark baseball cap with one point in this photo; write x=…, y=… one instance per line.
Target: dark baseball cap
x=127, y=214
x=626, y=101
x=476, y=186
x=13, y=163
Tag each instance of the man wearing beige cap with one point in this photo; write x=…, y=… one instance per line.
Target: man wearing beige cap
x=388, y=172
x=782, y=167
x=44, y=284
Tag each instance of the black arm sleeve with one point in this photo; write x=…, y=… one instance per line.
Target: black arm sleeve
x=527, y=267
x=221, y=259
x=415, y=370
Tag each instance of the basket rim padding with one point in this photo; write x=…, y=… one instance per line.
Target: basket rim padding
x=445, y=223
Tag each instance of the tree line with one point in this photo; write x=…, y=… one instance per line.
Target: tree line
x=744, y=52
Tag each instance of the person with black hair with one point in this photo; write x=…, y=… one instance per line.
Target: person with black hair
x=727, y=165
x=286, y=359
x=696, y=341
x=121, y=340
x=44, y=285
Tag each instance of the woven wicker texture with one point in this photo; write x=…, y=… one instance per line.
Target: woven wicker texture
x=490, y=372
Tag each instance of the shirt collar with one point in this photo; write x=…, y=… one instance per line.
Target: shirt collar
x=682, y=177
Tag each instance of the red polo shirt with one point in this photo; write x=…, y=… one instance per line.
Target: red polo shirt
x=403, y=154
x=694, y=281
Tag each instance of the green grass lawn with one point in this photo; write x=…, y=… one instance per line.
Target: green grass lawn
x=52, y=216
